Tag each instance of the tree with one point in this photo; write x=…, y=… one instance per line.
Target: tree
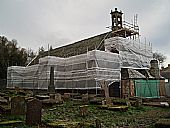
x=10, y=55
x=30, y=56
x=159, y=56
x=41, y=51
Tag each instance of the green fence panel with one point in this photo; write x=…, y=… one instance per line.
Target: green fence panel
x=147, y=88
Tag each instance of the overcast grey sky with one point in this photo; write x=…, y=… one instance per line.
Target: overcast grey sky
x=36, y=23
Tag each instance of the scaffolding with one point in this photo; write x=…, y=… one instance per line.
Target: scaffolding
x=85, y=71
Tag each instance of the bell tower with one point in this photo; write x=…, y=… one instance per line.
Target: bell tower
x=116, y=19
x=122, y=28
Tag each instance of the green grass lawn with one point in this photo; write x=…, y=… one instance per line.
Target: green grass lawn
x=68, y=113
x=133, y=117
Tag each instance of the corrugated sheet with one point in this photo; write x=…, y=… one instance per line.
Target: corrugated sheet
x=147, y=88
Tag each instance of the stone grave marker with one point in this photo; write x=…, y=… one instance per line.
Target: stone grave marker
x=98, y=123
x=18, y=105
x=17, y=89
x=52, y=96
x=85, y=98
x=58, y=97
x=66, y=96
x=103, y=102
x=3, y=100
x=128, y=103
x=138, y=102
x=33, y=114
x=106, y=92
x=83, y=110
x=51, y=87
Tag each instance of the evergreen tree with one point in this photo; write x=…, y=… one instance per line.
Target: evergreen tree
x=10, y=55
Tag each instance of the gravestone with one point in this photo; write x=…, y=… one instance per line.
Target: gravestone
x=33, y=114
x=18, y=105
x=58, y=97
x=3, y=100
x=85, y=98
x=17, y=89
x=52, y=96
x=103, y=102
x=128, y=103
x=83, y=110
x=98, y=123
x=51, y=87
x=66, y=96
x=138, y=102
x=106, y=92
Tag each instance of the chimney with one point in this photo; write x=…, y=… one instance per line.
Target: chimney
x=168, y=65
x=154, y=69
x=168, y=68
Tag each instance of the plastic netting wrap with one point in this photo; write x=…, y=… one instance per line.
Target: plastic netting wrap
x=22, y=76
x=85, y=71
x=132, y=53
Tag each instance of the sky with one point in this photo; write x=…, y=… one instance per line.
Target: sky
x=37, y=23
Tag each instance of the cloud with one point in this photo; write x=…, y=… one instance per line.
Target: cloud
x=36, y=23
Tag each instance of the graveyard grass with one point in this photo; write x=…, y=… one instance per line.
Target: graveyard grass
x=68, y=115
x=134, y=117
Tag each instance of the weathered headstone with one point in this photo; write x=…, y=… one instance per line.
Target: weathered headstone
x=18, y=105
x=83, y=110
x=3, y=100
x=128, y=103
x=103, y=102
x=105, y=88
x=30, y=93
x=106, y=91
x=58, y=97
x=66, y=96
x=5, y=109
x=51, y=87
x=33, y=114
x=138, y=102
x=109, y=101
x=98, y=123
x=85, y=98
x=17, y=89
x=52, y=96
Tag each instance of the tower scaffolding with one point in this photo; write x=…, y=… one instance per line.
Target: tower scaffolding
x=87, y=68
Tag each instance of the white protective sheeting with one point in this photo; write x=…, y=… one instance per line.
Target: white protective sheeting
x=85, y=71
x=25, y=77
x=132, y=53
